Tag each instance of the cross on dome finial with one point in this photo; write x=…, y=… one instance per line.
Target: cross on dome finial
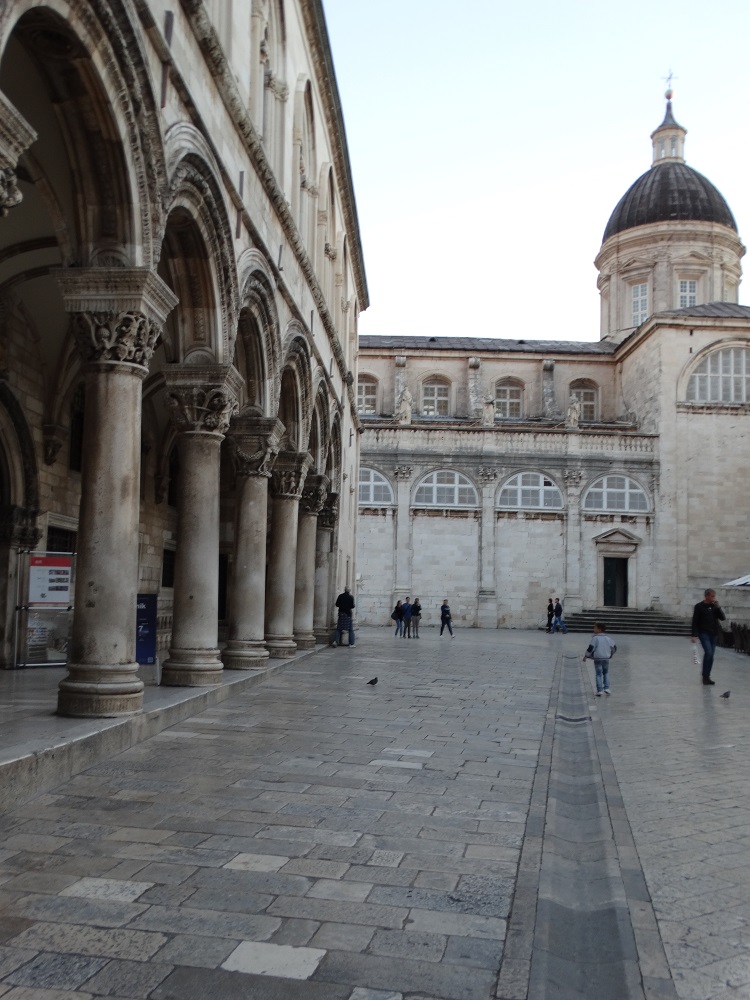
x=669, y=138
x=668, y=80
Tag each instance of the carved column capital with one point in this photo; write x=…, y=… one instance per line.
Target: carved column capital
x=314, y=494
x=202, y=398
x=118, y=313
x=255, y=444
x=16, y=135
x=289, y=474
x=329, y=513
x=119, y=337
x=402, y=472
x=487, y=475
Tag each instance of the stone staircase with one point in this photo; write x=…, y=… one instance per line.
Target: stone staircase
x=624, y=620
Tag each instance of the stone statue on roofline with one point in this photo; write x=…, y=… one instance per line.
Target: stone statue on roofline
x=405, y=406
x=574, y=411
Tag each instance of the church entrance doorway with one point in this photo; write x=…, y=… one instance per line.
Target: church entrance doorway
x=615, y=582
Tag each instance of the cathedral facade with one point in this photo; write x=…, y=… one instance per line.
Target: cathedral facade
x=500, y=472
x=180, y=282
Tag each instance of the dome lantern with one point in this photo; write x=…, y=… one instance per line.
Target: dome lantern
x=668, y=139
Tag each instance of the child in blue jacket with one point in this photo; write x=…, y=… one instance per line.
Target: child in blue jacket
x=601, y=649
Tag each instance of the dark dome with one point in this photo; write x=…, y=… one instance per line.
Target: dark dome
x=667, y=192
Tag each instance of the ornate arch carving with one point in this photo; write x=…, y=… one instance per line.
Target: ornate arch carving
x=113, y=41
x=194, y=185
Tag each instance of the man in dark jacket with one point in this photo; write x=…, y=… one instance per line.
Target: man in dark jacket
x=345, y=604
x=705, y=629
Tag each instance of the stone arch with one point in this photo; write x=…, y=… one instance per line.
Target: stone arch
x=198, y=231
x=295, y=410
x=335, y=458
x=259, y=342
x=304, y=190
x=85, y=51
x=320, y=432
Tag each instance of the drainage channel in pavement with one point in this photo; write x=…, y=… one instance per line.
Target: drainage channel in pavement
x=582, y=925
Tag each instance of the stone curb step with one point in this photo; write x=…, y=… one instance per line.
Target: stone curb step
x=28, y=770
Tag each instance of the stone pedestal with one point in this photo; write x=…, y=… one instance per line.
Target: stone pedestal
x=287, y=482
x=117, y=316
x=255, y=447
x=202, y=401
x=312, y=502
x=323, y=602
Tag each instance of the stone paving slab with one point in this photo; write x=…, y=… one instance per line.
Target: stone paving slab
x=255, y=842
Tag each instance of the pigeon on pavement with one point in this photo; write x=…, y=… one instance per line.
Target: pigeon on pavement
x=726, y=694
x=374, y=681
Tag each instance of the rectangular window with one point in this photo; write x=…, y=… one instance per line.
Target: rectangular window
x=639, y=303
x=588, y=400
x=367, y=393
x=435, y=399
x=60, y=539
x=688, y=293
x=508, y=402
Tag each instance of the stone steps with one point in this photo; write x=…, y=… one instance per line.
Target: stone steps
x=628, y=620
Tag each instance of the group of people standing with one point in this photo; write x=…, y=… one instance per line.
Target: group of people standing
x=407, y=616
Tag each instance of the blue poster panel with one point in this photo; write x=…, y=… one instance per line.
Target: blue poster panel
x=145, y=643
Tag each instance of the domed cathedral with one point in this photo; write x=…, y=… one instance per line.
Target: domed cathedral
x=671, y=242
x=181, y=277
x=607, y=473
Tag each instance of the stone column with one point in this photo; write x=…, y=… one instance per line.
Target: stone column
x=573, y=602
x=323, y=606
x=255, y=447
x=16, y=135
x=202, y=400
x=287, y=483
x=312, y=502
x=487, y=610
x=116, y=321
x=402, y=583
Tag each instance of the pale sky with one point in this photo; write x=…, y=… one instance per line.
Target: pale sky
x=490, y=141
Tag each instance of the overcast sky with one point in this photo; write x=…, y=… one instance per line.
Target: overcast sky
x=490, y=141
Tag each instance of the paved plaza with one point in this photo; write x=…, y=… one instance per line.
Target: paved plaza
x=476, y=825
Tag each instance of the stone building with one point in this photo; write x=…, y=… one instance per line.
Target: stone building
x=500, y=472
x=180, y=281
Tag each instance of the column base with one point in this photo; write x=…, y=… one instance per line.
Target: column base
x=281, y=646
x=244, y=655
x=304, y=640
x=323, y=635
x=94, y=694
x=192, y=668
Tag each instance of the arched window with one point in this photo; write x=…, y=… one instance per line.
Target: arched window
x=615, y=493
x=530, y=489
x=77, y=414
x=446, y=489
x=374, y=489
x=587, y=393
x=508, y=399
x=435, y=398
x=721, y=377
x=367, y=395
